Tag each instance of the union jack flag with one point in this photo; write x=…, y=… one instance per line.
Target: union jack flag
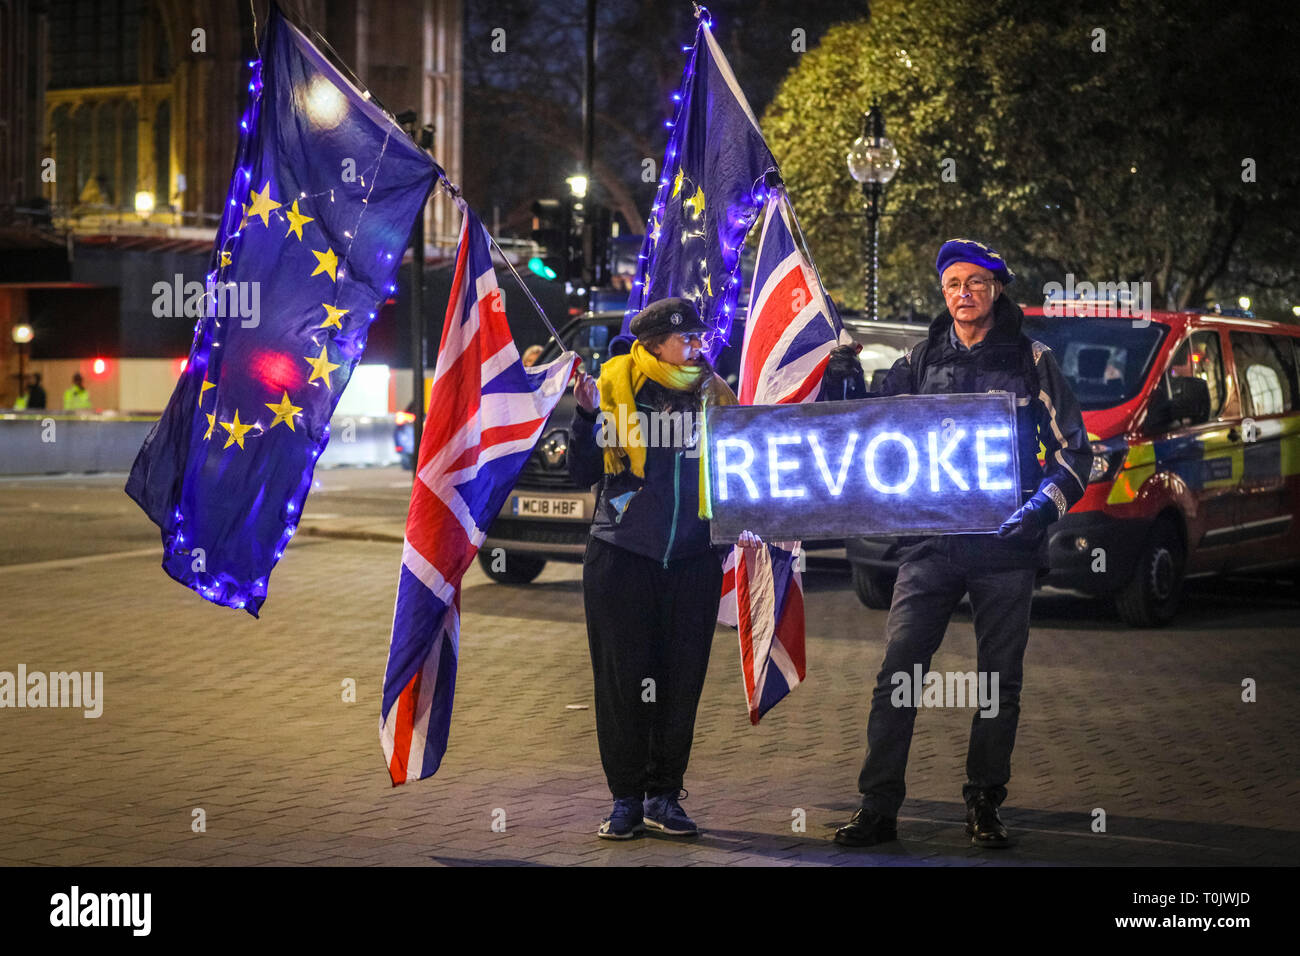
x=488, y=413
x=789, y=335
x=791, y=327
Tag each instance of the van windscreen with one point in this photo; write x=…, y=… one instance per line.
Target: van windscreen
x=590, y=338
x=1105, y=360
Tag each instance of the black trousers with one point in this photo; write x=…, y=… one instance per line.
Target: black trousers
x=929, y=588
x=650, y=630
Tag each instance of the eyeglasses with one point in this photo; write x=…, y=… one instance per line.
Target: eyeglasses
x=975, y=284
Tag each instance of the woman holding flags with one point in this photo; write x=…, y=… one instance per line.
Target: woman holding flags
x=651, y=579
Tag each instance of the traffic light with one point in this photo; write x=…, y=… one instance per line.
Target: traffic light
x=595, y=243
x=575, y=240
x=553, y=230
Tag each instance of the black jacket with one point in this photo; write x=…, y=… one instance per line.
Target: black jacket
x=656, y=516
x=1046, y=412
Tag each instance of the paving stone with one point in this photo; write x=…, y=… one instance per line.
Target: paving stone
x=209, y=708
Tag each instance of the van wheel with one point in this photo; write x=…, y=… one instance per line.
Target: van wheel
x=511, y=568
x=875, y=588
x=1152, y=595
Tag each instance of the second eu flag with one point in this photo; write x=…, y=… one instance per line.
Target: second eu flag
x=714, y=183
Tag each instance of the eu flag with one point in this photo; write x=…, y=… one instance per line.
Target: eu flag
x=711, y=192
x=325, y=190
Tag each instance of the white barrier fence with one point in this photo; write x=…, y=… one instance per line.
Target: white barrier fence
x=32, y=443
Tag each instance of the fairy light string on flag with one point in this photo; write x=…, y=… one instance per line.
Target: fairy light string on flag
x=219, y=416
x=703, y=210
x=226, y=472
x=637, y=301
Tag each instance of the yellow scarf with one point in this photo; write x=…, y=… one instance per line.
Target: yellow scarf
x=621, y=378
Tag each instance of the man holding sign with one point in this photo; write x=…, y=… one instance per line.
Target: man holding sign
x=974, y=346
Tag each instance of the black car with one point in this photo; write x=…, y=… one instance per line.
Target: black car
x=548, y=518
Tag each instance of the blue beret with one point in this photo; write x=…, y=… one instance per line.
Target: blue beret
x=968, y=250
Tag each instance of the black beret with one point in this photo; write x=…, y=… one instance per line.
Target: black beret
x=667, y=315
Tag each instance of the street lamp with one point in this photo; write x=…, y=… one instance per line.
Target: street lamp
x=22, y=334
x=576, y=240
x=873, y=160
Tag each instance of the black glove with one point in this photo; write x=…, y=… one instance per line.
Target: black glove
x=1035, y=516
x=843, y=377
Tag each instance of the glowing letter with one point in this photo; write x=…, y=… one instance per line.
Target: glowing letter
x=938, y=458
x=912, y=465
x=985, y=459
x=836, y=486
x=740, y=470
x=775, y=466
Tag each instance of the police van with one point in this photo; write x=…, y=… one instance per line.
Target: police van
x=1194, y=420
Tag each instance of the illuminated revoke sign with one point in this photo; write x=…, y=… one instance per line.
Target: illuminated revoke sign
x=914, y=464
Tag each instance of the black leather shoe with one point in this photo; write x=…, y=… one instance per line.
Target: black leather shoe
x=867, y=829
x=984, y=825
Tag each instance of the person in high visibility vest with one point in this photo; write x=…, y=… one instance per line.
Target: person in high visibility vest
x=75, y=396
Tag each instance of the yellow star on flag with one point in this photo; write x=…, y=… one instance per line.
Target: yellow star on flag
x=327, y=262
x=263, y=204
x=203, y=389
x=321, y=367
x=244, y=219
x=332, y=316
x=236, y=430
x=708, y=285
x=296, y=221
x=284, y=412
x=212, y=420
x=225, y=258
x=696, y=202
x=677, y=183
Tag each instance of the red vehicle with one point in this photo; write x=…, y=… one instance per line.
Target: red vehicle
x=1195, y=424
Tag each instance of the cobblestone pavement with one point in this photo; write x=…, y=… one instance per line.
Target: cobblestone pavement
x=206, y=709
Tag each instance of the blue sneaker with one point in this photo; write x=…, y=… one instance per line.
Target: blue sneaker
x=665, y=814
x=624, y=821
